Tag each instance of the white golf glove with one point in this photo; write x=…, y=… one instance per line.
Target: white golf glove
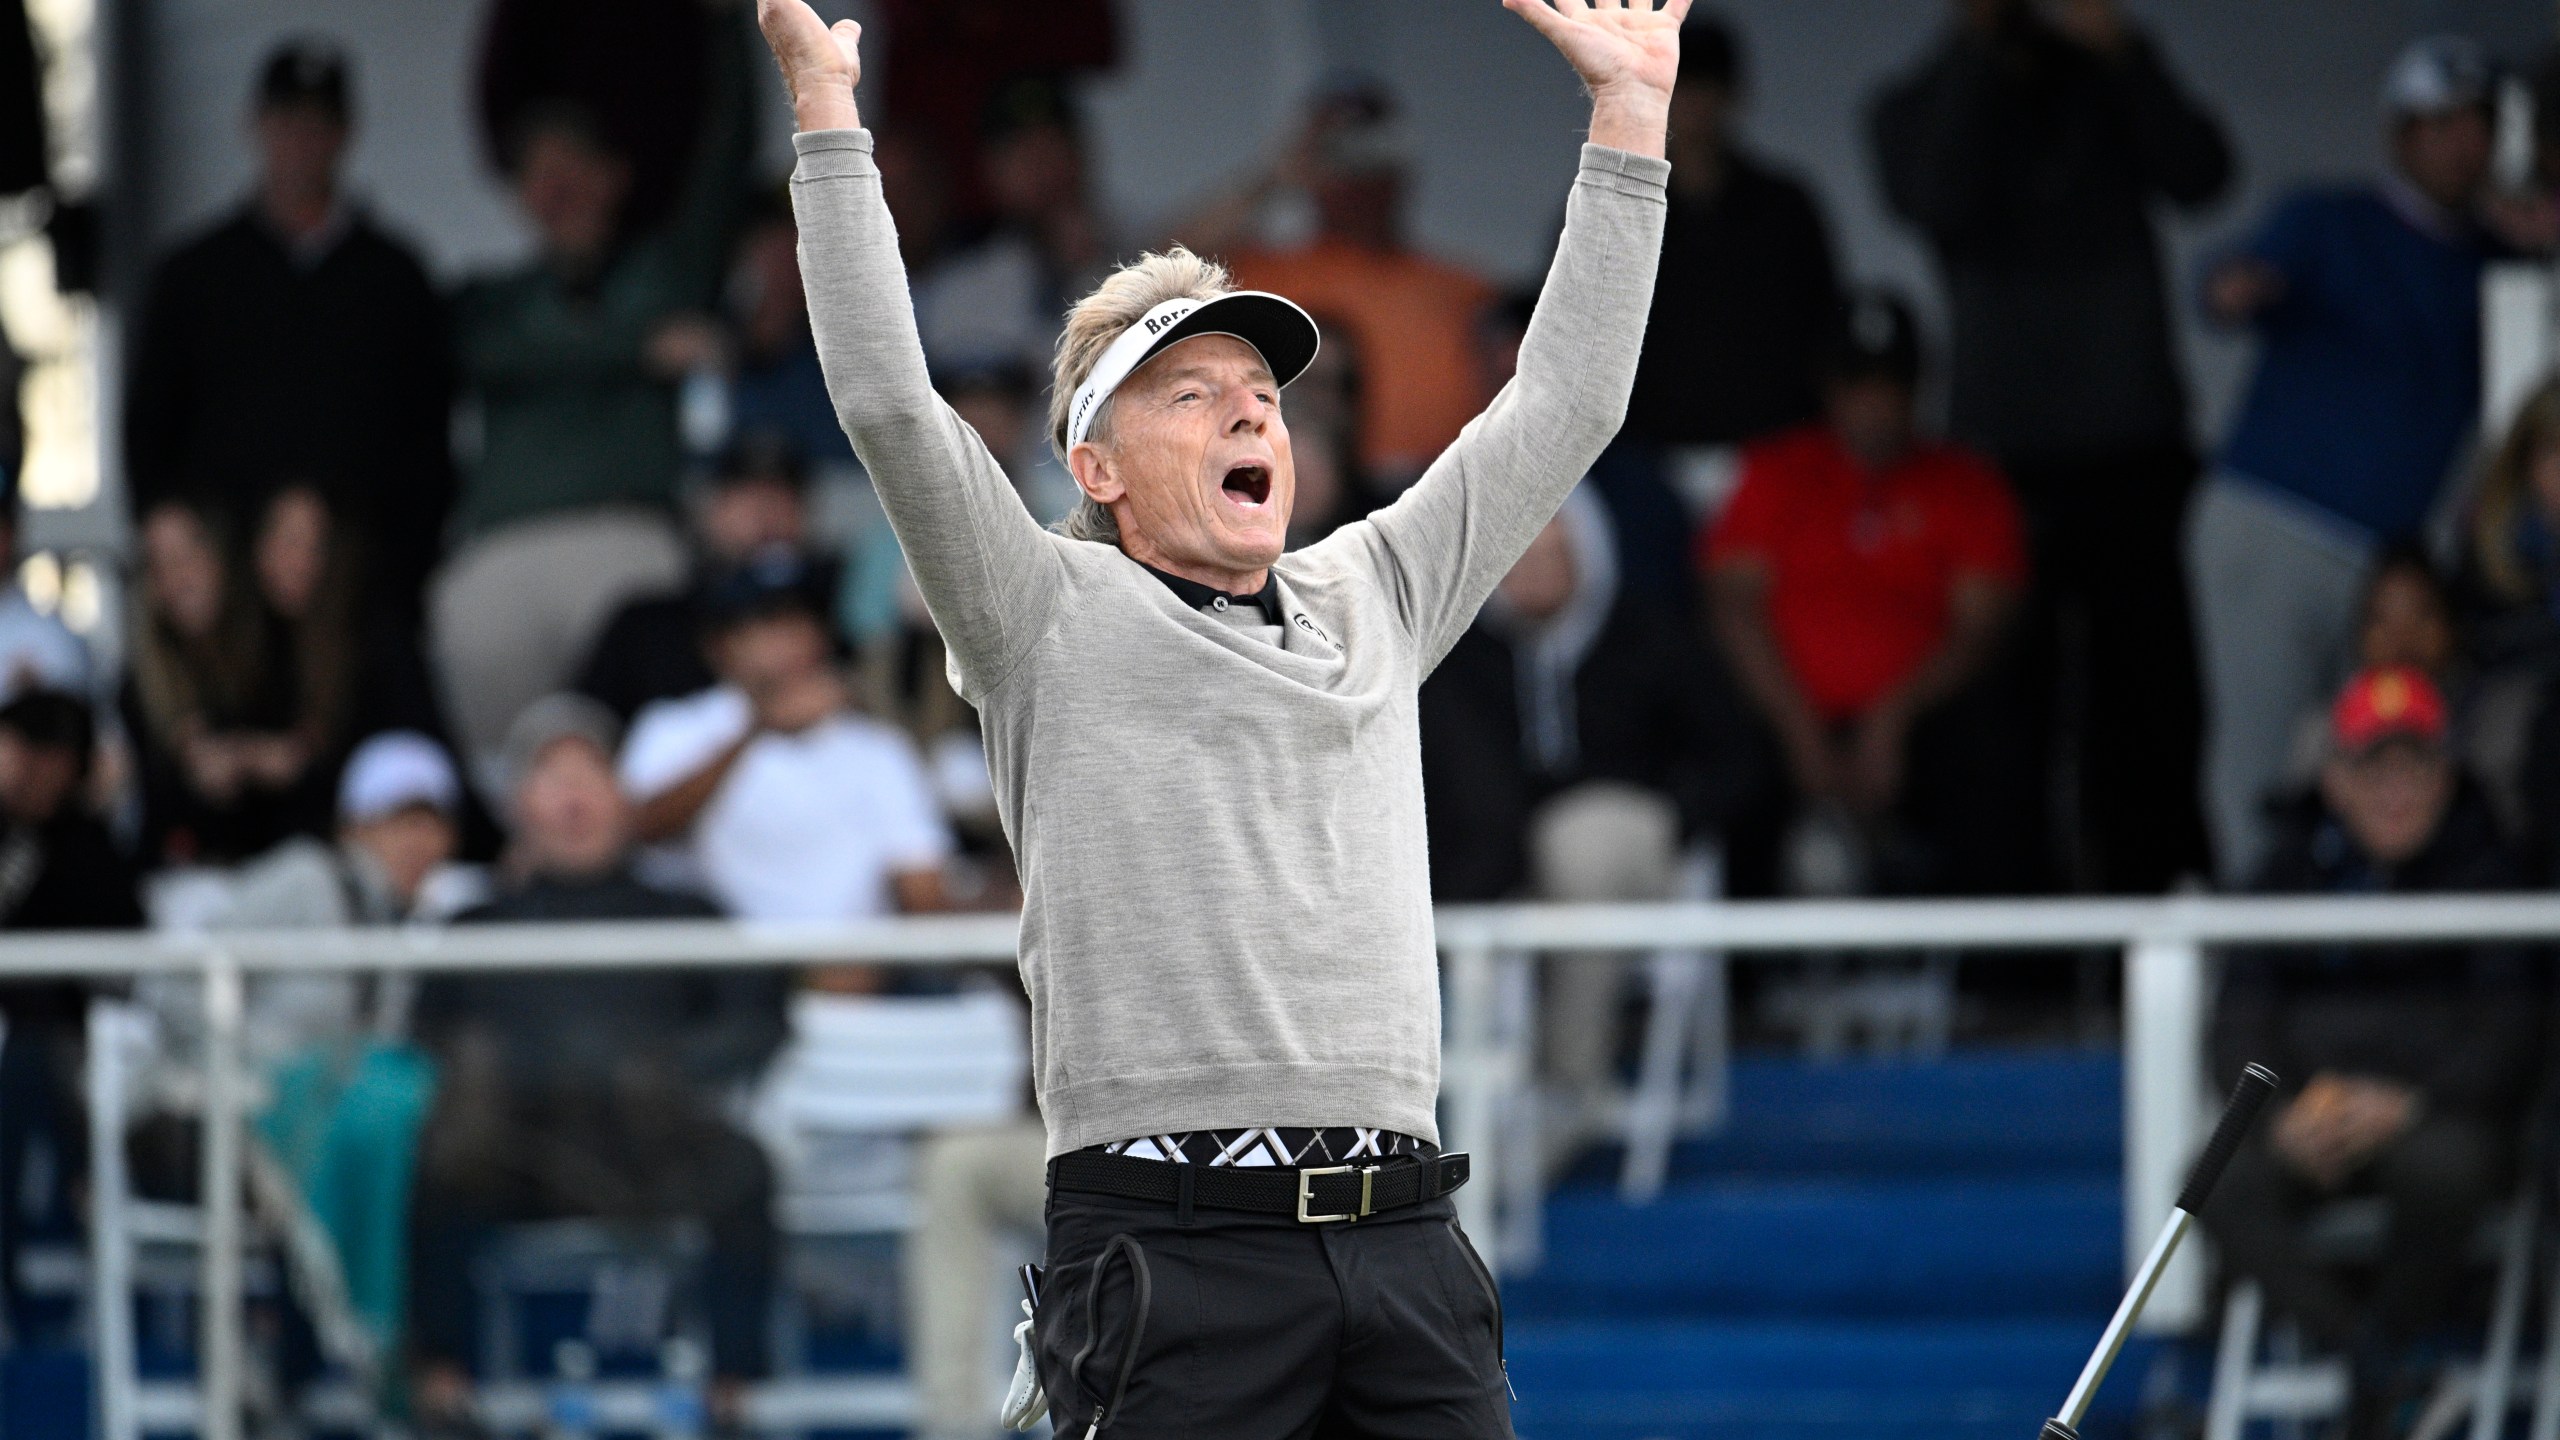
x=1024, y=1401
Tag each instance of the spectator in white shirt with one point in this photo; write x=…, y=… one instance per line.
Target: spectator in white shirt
x=788, y=802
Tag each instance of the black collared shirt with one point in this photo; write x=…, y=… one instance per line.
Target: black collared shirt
x=1203, y=597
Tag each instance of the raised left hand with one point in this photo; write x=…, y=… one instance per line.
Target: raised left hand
x=1616, y=46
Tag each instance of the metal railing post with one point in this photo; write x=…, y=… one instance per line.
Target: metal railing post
x=219, y=1355
x=110, y=1243
x=2166, y=1101
x=1474, y=1085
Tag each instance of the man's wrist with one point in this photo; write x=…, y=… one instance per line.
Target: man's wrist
x=824, y=105
x=1633, y=121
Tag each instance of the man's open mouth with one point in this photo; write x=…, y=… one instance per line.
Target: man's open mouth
x=1248, y=483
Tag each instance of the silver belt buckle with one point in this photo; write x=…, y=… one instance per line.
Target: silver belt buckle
x=1307, y=1189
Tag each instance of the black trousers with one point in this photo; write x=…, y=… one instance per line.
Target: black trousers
x=1256, y=1327
x=2107, y=639
x=1968, y=821
x=2441, y=1178
x=491, y=1158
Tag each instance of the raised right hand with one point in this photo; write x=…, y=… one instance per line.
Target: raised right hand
x=820, y=64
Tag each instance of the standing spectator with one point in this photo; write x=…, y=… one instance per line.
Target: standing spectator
x=757, y=504
x=2366, y=303
x=1747, y=288
x=2408, y=1066
x=59, y=870
x=1413, y=316
x=298, y=341
x=573, y=364
x=1573, y=741
x=634, y=67
x=790, y=804
x=1862, y=582
x=587, y=1094
x=946, y=62
x=227, y=742
x=2032, y=149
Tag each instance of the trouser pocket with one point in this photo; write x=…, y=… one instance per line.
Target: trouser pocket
x=1087, y=1372
x=1484, y=1278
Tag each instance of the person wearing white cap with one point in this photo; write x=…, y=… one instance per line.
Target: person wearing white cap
x=2365, y=302
x=1206, y=753
x=348, y=1096
x=398, y=803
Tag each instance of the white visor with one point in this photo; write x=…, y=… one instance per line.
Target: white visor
x=1284, y=335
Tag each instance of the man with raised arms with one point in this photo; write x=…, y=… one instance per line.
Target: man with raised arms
x=1206, y=756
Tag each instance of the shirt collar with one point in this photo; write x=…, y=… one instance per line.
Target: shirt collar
x=1203, y=597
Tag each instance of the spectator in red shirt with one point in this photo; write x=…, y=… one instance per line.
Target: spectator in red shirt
x=1862, y=580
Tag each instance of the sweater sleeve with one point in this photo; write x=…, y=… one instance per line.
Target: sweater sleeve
x=987, y=571
x=1440, y=549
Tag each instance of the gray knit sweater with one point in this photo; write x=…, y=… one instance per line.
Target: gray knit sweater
x=1227, y=906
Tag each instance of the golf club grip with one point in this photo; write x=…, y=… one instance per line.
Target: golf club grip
x=2257, y=1082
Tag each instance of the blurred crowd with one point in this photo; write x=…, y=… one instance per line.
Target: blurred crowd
x=558, y=594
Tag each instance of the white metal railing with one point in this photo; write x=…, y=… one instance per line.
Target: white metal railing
x=2165, y=998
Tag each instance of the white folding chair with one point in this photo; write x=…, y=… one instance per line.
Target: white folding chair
x=2290, y=1388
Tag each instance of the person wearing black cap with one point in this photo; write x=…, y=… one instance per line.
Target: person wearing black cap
x=297, y=342
x=757, y=503
x=1206, y=753
x=1862, y=580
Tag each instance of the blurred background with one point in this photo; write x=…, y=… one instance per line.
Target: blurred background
x=2095, y=468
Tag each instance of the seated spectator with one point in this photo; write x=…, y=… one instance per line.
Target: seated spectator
x=2511, y=564
x=2366, y=303
x=1860, y=582
x=2405, y=619
x=1413, y=316
x=788, y=803
x=573, y=364
x=1573, y=741
x=347, y=1095
x=37, y=651
x=1324, y=440
x=1002, y=401
x=298, y=339
x=2407, y=1067
x=1001, y=299
x=568, y=1094
x=777, y=396
x=757, y=504
x=225, y=733
x=359, y=666
x=59, y=870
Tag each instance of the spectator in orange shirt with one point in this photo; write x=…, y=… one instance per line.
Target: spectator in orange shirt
x=1413, y=317
x=1862, y=581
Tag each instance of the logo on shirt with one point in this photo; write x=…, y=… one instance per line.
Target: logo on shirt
x=1306, y=623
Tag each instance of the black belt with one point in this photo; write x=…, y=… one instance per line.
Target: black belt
x=1314, y=1195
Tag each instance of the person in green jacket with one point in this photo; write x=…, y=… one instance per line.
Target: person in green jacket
x=570, y=370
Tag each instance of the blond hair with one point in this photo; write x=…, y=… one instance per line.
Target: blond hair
x=2506, y=494
x=1096, y=321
